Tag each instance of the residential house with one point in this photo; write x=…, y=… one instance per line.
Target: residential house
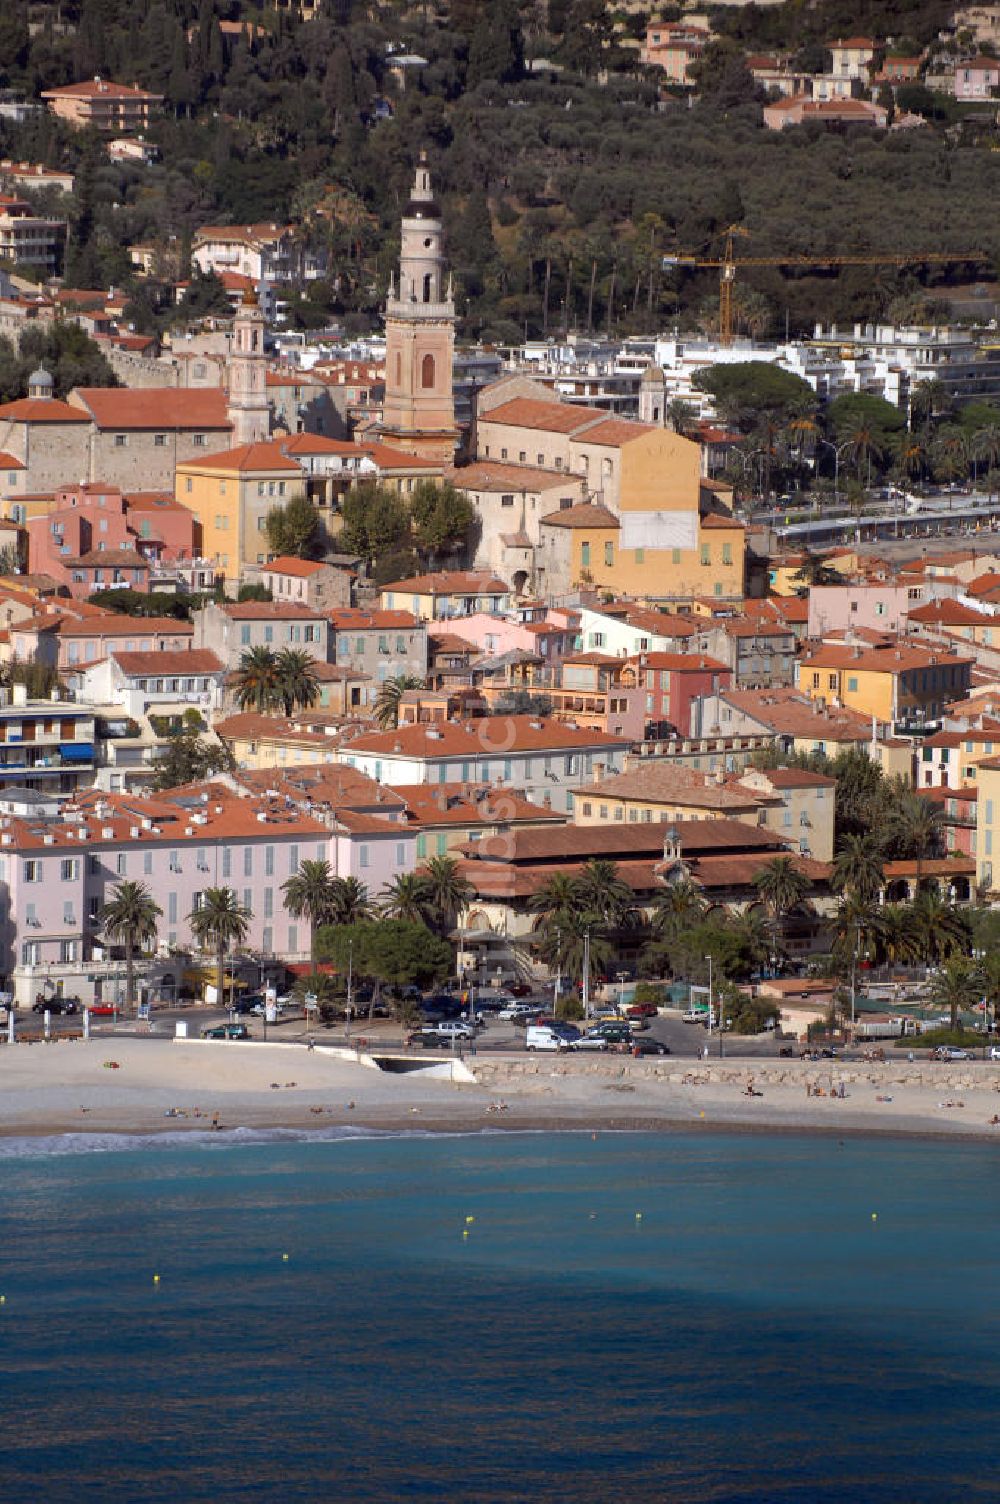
x=451, y=815
x=671, y=681
x=958, y=814
x=69, y=641
x=673, y=47
x=977, y=79
x=758, y=653
x=800, y=807
x=235, y=628
x=265, y=252
x=378, y=645
x=34, y=176
x=543, y=760
x=93, y=538
x=28, y=239
x=510, y=501
x=447, y=594
x=789, y=717
x=653, y=790
x=45, y=745
x=266, y=741
x=907, y=686
x=167, y=685
x=231, y=493
x=601, y=692
x=307, y=582
x=852, y=57
x=102, y=105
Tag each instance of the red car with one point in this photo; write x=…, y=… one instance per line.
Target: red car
x=110, y=1009
x=642, y=1010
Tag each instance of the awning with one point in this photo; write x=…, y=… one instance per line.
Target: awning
x=76, y=751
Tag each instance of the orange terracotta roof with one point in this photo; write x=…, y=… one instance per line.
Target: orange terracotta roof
x=449, y=582
x=270, y=611
x=680, y=663
x=41, y=410
x=9, y=461
x=614, y=432
x=300, y=569
x=555, y=417
x=99, y=88
x=191, y=661
x=164, y=407
x=585, y=514
x=888, y=660
x=472, y=739
x=355, y=618
x=490, y=475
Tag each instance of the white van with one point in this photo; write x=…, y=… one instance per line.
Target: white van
x=550, y=1037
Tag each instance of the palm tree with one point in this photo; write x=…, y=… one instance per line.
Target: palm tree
x=914, y=826
x=406, y=897
x=447, y=891
x=256, y=681
x=600, y=891
x=557, y=897
x=858, y=868
x=897, y=937
x=864, y=445
x=781, y=887
x=942, y=930
x=349, y=901
x=310, y=895
x=388, y=698
x=958, y=987
x=677, y=907
x=221, y=922
x=754, y=938
x=129, y=918
x=297, y=684
x=563, y=945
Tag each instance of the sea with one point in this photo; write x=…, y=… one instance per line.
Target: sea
x=504, y=1316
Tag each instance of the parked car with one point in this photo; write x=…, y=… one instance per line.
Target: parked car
x=619, y=1033
x=995, y=1051
x=103, y=1010
x=520, y=989
x=226, y=1031
x=642, y=1010
x=56, y=1005
x=247, y=1004
x=590, y=1041
x=258, y=1010
x=519, y=1012
x=695, y=1016
x=951, y=1052
x=551, y=1037
x=649, y=1047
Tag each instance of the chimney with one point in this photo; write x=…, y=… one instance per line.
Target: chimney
x=599, y=770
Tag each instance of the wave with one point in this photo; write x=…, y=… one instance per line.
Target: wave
x=40, y=1146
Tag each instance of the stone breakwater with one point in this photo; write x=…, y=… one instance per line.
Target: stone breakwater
x=964, y=1076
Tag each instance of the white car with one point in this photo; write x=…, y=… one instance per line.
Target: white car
x=995, y=1051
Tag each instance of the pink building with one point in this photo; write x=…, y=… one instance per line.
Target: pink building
x=671, y=681
x=977, y=79
x=958, y=817
x=881, y=607
x=67, y=641
x=59, y=872
x=96, y=538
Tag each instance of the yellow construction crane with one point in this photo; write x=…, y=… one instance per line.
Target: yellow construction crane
x=728, y=262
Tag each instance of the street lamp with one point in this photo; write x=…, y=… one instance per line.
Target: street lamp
x=710, y=1004
x=621, y=990
x=586, y=974
x=558, y=987
x=350, y=988
x=837, y=450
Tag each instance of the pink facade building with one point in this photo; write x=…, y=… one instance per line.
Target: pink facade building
x=670, y=682
x=977, y=79
x=96, y=538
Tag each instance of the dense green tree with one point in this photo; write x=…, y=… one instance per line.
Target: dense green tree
x=496, y=46
x=374, y=522
x=294, y=530
x=745, y=392
x=391, y=952
x=442, y=519
x=190, y=758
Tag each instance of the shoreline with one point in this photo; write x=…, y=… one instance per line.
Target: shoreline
x=129, y=1087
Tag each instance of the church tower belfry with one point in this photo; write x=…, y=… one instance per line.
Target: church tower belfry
x=418, y=415
x=249, y=412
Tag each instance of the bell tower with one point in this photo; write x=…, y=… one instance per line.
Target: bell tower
x=418, y=415
x=248, y=408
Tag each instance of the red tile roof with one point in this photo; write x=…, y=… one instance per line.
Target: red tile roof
x=99, y=88
x=300, y=569
x=491, y=475
x=449, y=582
x=472, y=739
x=191, y=661
x=266, y=456
x=271, y=611
x=355, y=618
x=555, y=417
x=41, y=410
x=584, y=514
x=162, y=408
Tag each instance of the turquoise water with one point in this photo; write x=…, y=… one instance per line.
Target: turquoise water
x=754, y=1336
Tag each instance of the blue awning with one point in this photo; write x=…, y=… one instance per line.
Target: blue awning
x=76, y=751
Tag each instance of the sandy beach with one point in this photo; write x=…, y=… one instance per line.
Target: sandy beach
x=133, y=1085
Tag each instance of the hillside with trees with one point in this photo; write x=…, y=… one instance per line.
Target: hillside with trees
x=562, y=190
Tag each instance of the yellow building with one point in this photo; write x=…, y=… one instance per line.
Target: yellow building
x=582, y=545
x=987, y=849
x=231, y=494
x=261, y=741
x=657, y=791
x=647, y=525
x=905, y=683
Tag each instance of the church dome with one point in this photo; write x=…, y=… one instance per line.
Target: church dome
x=653, y=376
x=40, y=383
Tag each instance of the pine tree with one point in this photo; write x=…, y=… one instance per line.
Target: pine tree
x=496, y=47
